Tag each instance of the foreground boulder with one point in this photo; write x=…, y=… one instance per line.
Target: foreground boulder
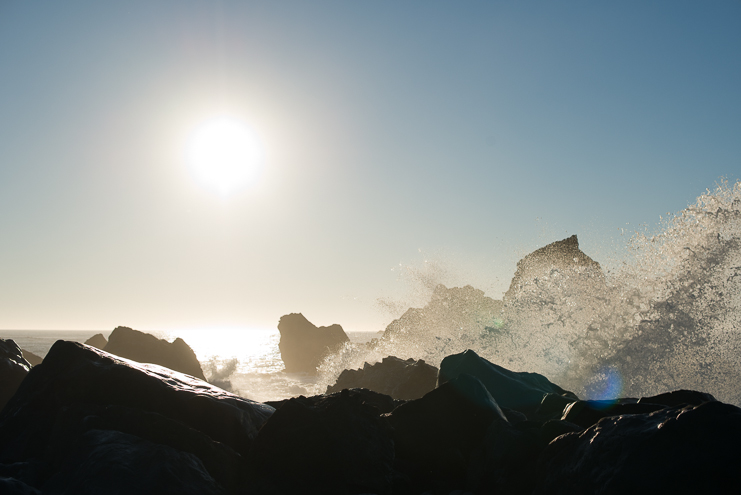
x=398, y=378
x=690, y=449
x=438, y=436
x=87, y=419
x=336, y=444
x=521, y=391
x=303, y=345
x=13, y=369
x=146, y=348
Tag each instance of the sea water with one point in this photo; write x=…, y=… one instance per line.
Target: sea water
x=666, y=316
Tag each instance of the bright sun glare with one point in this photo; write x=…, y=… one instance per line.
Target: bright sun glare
x=225, y=155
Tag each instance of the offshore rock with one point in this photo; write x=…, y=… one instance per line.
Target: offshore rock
x=335, y=445
x=691, y=449
x=97, y=340
x=32, y=358
x=146, y=348
x=86, y=417
x=13, y=369
x=520, y=391
x=437, y=436
x=562, y=256
x=450, y=312
x=303, y=345
x=401, y=379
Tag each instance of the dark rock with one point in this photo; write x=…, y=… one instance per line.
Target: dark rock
x=303, y=345
x=521, y=391
x=111, y=462
x=383, y=403
x=585, y=413
x=437, y=436
x=32, y=358
x=553, y=405
x=678, y=398
x=692, y=449
x=336, y=445
x=401, y=379
x=563, y=256
x=146, y=348
x=12, y=486
x=13, y=369
x=78, y=390
x=450, y=311
x=98, y=340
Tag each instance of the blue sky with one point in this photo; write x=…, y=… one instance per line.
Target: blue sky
x=451, y=135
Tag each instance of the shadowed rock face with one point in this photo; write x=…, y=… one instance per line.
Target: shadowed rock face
x=303, y=345
x=401, y=379
x=516, y=390
x=145, y=348
x=335, y=444
x=13, y=369
x=87, y=418
x=691, y=449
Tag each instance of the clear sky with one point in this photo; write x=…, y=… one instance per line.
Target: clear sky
x=452, y=135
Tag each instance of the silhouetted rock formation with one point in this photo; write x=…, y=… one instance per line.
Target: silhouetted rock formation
x=145, y=348
x=85, y=421
x=32, y=358
x=691, y=449
x=438, y=435
x=453, y=311
x=561, y=257
x=335, y=445
x=401, y=379
x=13, y=369
x=303, y=345
x=97, y=340
x=521, y=391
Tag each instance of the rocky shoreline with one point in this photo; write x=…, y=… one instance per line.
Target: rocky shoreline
x=85, y=422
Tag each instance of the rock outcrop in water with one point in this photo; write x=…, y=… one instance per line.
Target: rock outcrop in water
x=32, y=358
x=303, y=345
x=450, y=312
x=85, y=421
x=97, y=340
x=561, y=256
x=13, y=369
x=401, y=379
x=146, y=348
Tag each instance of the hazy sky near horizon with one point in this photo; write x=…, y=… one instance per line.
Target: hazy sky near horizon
x=441, y=138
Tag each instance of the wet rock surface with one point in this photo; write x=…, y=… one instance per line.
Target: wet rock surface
x=13, y=369
x=146, y=348
x=401, y=379
x=87, y=422
x=303, y=345
x=87, y=419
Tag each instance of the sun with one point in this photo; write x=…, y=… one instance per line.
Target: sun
x=225, y=155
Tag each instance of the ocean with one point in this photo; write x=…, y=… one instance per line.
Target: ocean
x=666, y=317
